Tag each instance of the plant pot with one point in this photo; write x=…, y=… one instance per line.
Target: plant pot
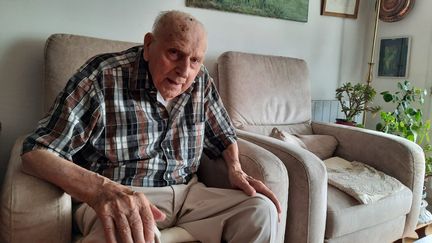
x=345, y=122
x=428, y=191
x=425, y=206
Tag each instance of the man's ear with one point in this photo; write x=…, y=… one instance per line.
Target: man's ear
x=148, y=39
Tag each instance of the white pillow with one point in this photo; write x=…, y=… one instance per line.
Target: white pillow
x=323, y=146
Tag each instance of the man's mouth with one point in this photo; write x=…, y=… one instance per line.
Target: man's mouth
x=173, y=82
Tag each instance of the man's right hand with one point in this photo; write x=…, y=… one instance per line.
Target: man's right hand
x=126, y=215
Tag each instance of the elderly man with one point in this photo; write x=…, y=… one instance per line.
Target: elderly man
x=135, y=124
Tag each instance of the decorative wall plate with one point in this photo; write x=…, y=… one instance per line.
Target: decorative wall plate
x=395, y=10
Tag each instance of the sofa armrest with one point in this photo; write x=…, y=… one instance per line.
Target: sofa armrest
x=393, y=155
x=307, y=205
x=256, y=162
x=31, y=209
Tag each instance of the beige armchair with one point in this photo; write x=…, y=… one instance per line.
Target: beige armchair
x=262, y=92
x=32, y=210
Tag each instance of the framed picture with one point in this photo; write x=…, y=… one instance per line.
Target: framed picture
x=393, y=57
x=296, y=10
x=340, y=8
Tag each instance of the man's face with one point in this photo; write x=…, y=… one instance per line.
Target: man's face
x=175, y=58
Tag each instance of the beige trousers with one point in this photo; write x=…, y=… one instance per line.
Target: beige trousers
x=211, y=215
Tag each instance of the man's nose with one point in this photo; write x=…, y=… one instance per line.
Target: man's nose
x=183, y=67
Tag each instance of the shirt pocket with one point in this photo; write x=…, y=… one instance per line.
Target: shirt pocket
x=128, y=136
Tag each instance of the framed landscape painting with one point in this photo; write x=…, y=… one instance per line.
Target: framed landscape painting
x=296, y=10
x=393, y=57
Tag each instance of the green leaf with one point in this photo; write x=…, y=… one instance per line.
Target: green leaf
x=410, y=137
x=410, y=111
x=400, y=86
x=388, y=97
x=418, y=116
x=379, y=127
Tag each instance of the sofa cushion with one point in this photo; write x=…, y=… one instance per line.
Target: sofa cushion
x=244, y=75
x=286, y=137
x=323, y=146
x=298, y=128
x=390, y=231
x=346, y=215
x=65, y=53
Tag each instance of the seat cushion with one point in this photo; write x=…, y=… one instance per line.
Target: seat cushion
x=388, y=231
x=346, y=215
x=169, y=235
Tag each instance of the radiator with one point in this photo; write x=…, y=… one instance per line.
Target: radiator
x=328, y=111
x=325, y=110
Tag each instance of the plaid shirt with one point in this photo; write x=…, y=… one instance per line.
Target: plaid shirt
x=108, y=120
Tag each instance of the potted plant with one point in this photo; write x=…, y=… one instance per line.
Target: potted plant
x=406, y=120
x=354, y=99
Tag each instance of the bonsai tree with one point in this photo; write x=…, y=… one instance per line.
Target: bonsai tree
x=406, y=120
x=354, y=99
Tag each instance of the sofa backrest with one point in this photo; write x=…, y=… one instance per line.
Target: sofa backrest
x=65, y=53
x=261, y=92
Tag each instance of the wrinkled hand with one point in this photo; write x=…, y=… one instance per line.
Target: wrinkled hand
x=239, y=179
x=126, y=216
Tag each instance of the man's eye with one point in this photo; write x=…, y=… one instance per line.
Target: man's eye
x=173, y=54
x=194, y=60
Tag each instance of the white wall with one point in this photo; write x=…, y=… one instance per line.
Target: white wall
x=418, y=25
x=332, y=46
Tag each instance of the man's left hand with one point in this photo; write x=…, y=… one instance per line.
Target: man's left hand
x=239, y=179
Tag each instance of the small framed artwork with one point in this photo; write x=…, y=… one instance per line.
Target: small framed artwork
x=393, y=57
x=340, y=8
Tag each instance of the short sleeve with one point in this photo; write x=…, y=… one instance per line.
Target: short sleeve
x=219, y=131
x=70, y=122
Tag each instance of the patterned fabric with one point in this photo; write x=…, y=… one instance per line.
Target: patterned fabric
x=108, y=120
x=361, y=181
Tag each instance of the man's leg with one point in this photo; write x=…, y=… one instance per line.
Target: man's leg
x=209, y=214
x=212, y=215
x=92, y=230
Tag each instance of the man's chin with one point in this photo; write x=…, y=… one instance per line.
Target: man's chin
x=170, y=95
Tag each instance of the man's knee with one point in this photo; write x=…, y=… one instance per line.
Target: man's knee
x=264, y=208
x=257, y=221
